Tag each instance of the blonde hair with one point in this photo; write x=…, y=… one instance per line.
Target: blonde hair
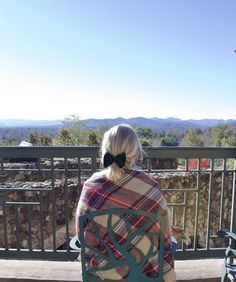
x=117, y=140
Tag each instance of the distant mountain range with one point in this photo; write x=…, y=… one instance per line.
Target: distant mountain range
x=157, y=124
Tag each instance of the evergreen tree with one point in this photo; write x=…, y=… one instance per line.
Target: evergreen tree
x=37, y=139
x=223, y=135
x=94, y=139
x=192, y=138
x=73, y=132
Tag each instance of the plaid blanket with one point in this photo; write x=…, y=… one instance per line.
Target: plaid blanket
x=137, y=190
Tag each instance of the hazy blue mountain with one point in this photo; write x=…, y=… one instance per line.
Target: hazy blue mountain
x=157, y=124
x=212, y=122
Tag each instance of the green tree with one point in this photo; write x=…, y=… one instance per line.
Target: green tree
x=223, y=135
x=94, y=139
x=145, y=142
x=37, y=139
x=168, y=141
x=144, y=132
x=231, y=141
x=145, y=135
x=192, y=138
x=218, y=134
x=73, y=132
x=64, y=138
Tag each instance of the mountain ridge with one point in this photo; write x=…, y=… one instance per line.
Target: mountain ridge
x=157, y=124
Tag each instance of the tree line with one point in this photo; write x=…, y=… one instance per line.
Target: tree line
x=74, y=133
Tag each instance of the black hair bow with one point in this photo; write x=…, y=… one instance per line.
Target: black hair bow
x=110, y=159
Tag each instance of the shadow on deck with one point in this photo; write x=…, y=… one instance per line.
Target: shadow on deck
x=208, y=270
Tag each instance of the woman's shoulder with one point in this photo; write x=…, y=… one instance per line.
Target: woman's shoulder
x=140, y=173
x=97, y=176
x=145, y=177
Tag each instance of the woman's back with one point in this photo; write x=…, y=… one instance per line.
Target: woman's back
x=120, y=186
x=137, y=191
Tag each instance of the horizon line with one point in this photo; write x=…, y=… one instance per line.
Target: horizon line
x=112, y=118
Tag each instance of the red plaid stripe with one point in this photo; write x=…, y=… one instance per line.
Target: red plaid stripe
x=136, y=190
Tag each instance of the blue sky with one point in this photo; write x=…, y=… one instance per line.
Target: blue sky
x=110, y=58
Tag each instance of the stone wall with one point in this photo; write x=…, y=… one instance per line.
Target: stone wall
x=34, y=186
x=53, y=192
x=193, y=200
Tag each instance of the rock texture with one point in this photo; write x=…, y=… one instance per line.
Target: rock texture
x=38, y=200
